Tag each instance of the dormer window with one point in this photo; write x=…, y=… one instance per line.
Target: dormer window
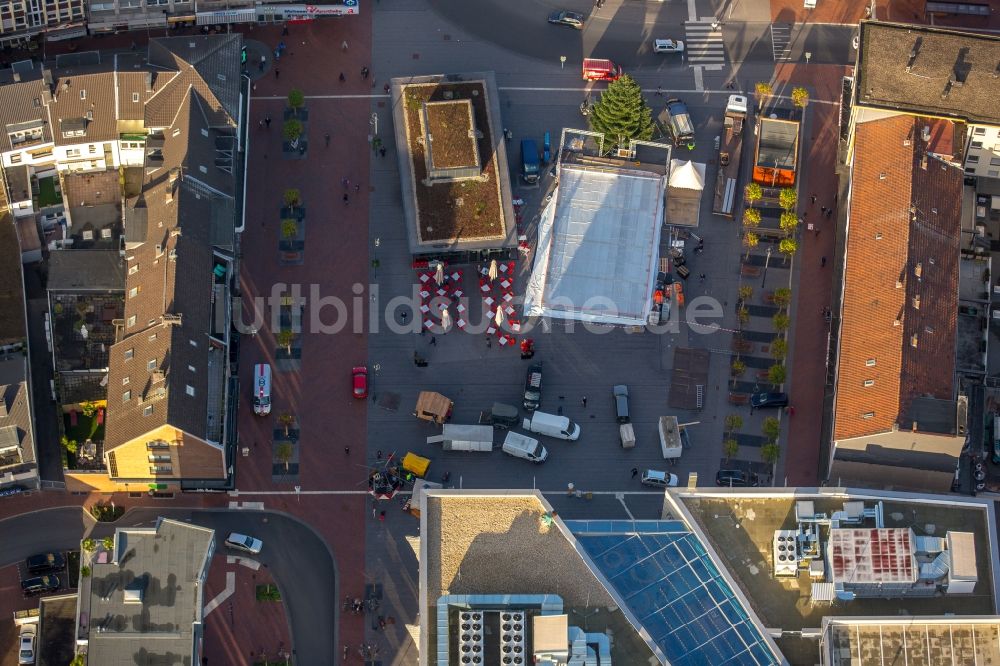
x=83, y=94
x=73, y=127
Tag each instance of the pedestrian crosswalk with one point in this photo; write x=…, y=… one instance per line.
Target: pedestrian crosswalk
x=703, y=43
x=781, y=40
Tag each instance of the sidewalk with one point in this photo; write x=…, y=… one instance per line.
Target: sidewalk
x=815, y=281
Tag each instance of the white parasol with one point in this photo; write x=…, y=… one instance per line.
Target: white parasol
x=439, y=274
x=493, y=270
x=445, y=319
x=498, y=318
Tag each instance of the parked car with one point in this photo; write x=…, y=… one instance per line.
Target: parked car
x=734, y=478
x=768, y=400
x=533, y=388
x=360, y=378
x=567, y=18
x=679, y=123
x=668, y=46
x=43, y=563
x=12, y=490
x=244, y=543
x=621, y=403
x=26, y=651
x=652, y=477
x=40, y=584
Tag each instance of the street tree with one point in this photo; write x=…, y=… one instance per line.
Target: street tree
x=743, y=315
x=752, y=193
x=746, y=292
x=751, y=218
x=776, y=374
x=285, y=338
x=286, y=421
x=296, y=100
x=292, y=197
x=108, y=543
x=289, y=228
x=779, y=349
x=781, y=322
x=782, y=297
x=737, y=367
x=788, y=247
x=763, y=91
x=284, y=454
x=770, y=453
x=292, y=131
x=730, y=448
x=788, y=198
x=750, y=239
x=621, y=114
x=800, y=97
x=771, y=428
x=788, y=222
x=733, y=423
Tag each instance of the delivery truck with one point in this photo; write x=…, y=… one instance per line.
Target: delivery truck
x=522, y=446
x=552, y=425
x=464, y=438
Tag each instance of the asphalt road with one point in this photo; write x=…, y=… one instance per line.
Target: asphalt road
x=296, y=557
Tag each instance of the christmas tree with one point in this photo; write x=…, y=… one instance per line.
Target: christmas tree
x=622, y=114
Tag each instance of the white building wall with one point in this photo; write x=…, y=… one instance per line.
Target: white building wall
x=982, y=151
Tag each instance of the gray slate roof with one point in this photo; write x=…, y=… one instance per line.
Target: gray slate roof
x=86, y=270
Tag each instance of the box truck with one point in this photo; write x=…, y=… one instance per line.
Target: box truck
x=464, y=438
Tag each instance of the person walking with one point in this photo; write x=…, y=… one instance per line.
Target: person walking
x=829, y=212
x=364, y=73
x=822, y=210
x=343, y=45
x=635, y=472
x=346, y=199
x=822, y=262
x=583, y=401
x=347, y=450
x=277, y=72
x=345, y=181
x=381, y=516
x=378, y=454
x=357, y=188
x=813, y=197
x=326, y=137
x=342, y=77
x=267, y=121
x=386, y=88
x=659, y=91
x=434, y=341
x=261, y=123
x=702, y=277
x=381, y=151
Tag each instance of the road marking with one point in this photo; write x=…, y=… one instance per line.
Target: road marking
x=703, y=44
x=561, y=491
x=245, y=561
x=781, y=40
x=621, y=498
x=225, y=594
x=692, y=10
x=699, y=78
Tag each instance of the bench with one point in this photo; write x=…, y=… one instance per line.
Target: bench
x=739, y=398
x=749, y=271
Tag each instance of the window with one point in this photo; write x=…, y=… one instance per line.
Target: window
x=189, y=390
x=868, y=415
x=126, y=396
x=869, y=382
x=979, y=131
x=995, y=161
x=92, y=148
x=72, y=152
x=147, y=410
x=151, y=365
x=973, y=159
x=160, y=469
x=131, y=322
x=977, y=144
x=129, y=353
x=870, y=363
x=993, y=173
x=152, y=336
x=15, y=158
x=133, y=292
x=125, y=380
x=135, y=98
x=132, y=270
x=157, y=444
x=159, y=457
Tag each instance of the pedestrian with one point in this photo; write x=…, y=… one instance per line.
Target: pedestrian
x=261, y=123
x=813, y=197
x=277, y=72
x=357, y=188
x=489, y=342
x=381, y=516
x=506, y=134
x=583, y=400
x=386, y=88
x=822, y=210
x=378, y=455
x=822, y=262
x=343, y=45
x=364, y=73
x=374, y=510
x=635, y=472
x=284, y=31
x=829, y=212
x=281, y=46
x=702, y=277
x=342, y=77
x=326, y=137
x=346, y=199
x=347, y=450
x=434, y=341
x=403, y=315
x=267, y=121
x=345, y=181
x=659, y=91
x=381, y=151
x=381, y=622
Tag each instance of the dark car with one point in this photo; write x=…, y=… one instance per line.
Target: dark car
x=734, y=478
x=533, y=388
x=679, y=123
x=570, y=19
x=45, y=563
x=621, y=403
x=40, y=584
x=768, y=400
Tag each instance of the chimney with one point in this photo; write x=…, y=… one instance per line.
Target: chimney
x=916, y=302
x=914, y=426
x=47, y=78
x=918, y=269
x=175, y=173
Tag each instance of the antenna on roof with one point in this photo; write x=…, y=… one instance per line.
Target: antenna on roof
x=914, y=52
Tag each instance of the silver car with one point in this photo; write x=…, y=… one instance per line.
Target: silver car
x=244, y=543
x=652, y=477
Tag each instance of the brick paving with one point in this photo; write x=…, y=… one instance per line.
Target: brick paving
x=254, y=629
x=815, y=282
x=11, y=600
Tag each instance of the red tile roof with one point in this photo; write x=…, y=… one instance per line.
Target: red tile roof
x=900, y=277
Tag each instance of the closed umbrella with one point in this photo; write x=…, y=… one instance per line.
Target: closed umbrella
x=498, y=318
x=445, y=319
x=439, y=274
x=493, y=270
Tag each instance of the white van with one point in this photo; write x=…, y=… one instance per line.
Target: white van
x=522, y=446
x=262, y=389
x=552, y=425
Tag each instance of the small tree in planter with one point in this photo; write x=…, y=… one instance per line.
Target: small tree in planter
x=70, y=445
x=285, y=338
x=763, y=91
x=743, y=315
x=750, y=239
x=730, y=448
x=292, y=199
x=788, y=222
x=88, y=409
x=292, y=131
x=296, y=100
x=88, y=545
x=800, y=97
x=782, y=297
x=770, y=453
x=284, y=454
x=738, y=367
x=289, y=229
x=746, y=292
x=752, y=193
x=108, y=543
x=788, y=247
x=751, y=218
x=779, y=349
x=776, y=374
x=781, y=322
x=286, y=421
x=788, y=198
x=85, y=571
x=733, y=423
x=771, y=428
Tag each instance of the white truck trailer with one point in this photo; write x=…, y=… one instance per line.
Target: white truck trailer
x=464, y=438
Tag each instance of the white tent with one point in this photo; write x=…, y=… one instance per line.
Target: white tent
x=687, y=175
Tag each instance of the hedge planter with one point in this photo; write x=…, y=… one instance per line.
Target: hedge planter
x=291, y=241
x=295, y=134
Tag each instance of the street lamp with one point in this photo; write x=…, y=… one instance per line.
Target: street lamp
x=374, y=123
x=767, y=261
x=562, y=62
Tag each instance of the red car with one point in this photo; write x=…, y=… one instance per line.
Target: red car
x=360, y=375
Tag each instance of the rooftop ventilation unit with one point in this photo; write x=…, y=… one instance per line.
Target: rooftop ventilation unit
x=470, y=638
x=512, y=641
